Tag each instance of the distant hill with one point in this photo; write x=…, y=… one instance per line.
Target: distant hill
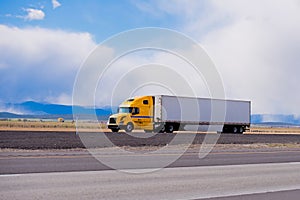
x=31, y=109
x=9, y=115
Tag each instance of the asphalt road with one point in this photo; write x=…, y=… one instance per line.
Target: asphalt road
x=81, y=160
x=279, y=195
x=253, y=172
x=231, y=181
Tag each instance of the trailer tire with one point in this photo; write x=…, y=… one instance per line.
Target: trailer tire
x=235, y=129
x=241, y=129
x=129, y=127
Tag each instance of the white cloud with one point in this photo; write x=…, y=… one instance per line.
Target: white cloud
x=147, y=7
x=255, y=45
x=55, y=4
x=148, y=72
x=40, y=64
x=12, y=109
x=63, y=99
x=34, y=14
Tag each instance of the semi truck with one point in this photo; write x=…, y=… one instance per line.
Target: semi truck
x=164, y=113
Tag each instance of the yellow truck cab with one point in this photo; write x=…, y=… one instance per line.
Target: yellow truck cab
x=134, y=113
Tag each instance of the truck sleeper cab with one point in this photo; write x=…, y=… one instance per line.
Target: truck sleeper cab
x=134, y=113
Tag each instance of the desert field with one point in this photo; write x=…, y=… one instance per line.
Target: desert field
x=273, y=130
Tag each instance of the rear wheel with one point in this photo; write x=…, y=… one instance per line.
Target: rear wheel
x=160, y=129
x=170, y=128
x=241, y=129
x=129, y=127
x=234, y=129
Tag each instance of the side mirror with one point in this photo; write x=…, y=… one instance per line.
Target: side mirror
x=135, y=111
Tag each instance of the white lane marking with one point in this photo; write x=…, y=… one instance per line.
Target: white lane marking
x=250, y=193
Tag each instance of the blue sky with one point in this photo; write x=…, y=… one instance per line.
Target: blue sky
x=254, y=44
x=100, y=18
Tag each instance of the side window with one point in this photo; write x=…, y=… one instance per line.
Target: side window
x=135, y=111
x=145, y=102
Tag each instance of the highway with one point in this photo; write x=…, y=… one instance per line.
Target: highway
x=247, y=181
x=81, y=160
x=228, y=172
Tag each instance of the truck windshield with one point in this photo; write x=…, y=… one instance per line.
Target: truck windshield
x=132, y=110
x=125, y=110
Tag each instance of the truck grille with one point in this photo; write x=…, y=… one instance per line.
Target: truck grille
x=112, y=120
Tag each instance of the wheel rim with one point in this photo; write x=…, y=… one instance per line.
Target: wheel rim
x=162, y=129
x=129, y=127
x=241, y=130
x=235, y=129
x=171, y=128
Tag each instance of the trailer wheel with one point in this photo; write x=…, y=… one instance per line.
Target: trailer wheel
x=170, y=128
x=241, y=129
x=234, y=129
x=129, y=127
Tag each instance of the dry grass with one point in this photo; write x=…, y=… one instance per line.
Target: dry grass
x=274, y=130
x=18, y=125
x=48, y=126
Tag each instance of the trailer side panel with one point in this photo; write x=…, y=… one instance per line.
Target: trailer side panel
x=199, y=110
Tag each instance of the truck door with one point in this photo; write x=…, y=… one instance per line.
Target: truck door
x=147, y=112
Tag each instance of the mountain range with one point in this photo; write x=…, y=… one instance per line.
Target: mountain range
x=31, y=109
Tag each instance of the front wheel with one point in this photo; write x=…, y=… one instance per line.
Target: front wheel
x=129, y=127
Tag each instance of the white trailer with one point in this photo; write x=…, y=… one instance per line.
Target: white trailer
x=177, y=112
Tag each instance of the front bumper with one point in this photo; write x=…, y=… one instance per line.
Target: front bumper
x=112, y=126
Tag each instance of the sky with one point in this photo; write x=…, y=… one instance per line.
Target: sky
x=254, y=44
